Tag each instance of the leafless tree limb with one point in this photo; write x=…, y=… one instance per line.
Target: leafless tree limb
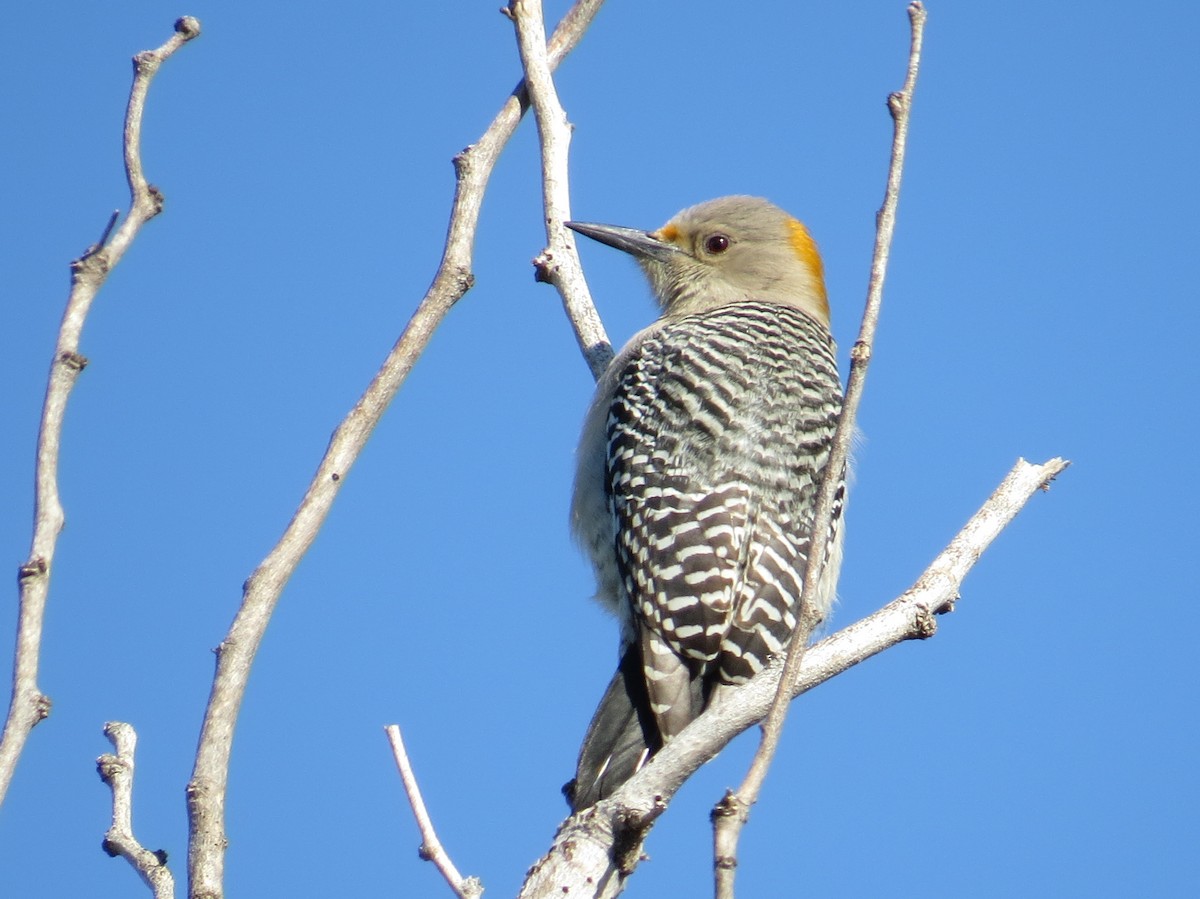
x=618, y=827
x=431, y=849
x=595, y=851
x=88, y=273
x=117, y=772
x=559, y=263
x=729, y=815
x=235, y=655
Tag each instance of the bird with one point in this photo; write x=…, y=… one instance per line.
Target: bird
x=698, y=470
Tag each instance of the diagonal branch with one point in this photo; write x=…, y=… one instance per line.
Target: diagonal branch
x=595, y=851
x=210, y=776
x=88, y=274
x=732, y=812
x=117, y=772
x=431, y=849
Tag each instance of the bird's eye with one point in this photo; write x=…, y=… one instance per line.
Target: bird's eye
x=716, y=244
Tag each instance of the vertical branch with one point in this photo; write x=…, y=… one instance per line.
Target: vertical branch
x=206, y=790
x=559, y=263
x=88, y=273
x=731, y=813
x=117, y=772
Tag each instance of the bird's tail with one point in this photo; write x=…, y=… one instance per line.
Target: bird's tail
x=621, y=737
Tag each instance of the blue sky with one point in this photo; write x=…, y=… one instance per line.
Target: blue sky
x=1041, y=301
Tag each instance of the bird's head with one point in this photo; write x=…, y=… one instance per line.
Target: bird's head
x=724, y=251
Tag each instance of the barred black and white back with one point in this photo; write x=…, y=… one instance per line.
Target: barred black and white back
x=716, y=430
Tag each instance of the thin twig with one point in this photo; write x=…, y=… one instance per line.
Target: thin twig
x=117, y=772
x=595, y=851
x=431, y=847
x=732, y=812
x=558, y=263
x=88, y=273
x=207, y=788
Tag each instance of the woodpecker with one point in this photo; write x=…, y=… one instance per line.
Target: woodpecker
x=698, y=471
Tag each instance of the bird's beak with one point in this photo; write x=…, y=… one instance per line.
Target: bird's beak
x=639, y=244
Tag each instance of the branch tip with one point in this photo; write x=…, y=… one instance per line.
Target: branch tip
x=430, y=848
x=1057, y=466
x=104, y=235
x=117, y=771
x=188, y=26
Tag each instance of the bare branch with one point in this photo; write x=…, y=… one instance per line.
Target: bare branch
x=207, y=787
x=732, y=812
x=596, y=850
x=431, y=847
x=117, y=772
x=88, y=273
x=559, y=263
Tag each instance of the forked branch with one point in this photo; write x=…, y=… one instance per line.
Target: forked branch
x=235, y=656
x=596, y=850
x=117, y=771
x=558, y=263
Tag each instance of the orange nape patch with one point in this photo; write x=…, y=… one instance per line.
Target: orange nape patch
x=806, y=251
x=667, y=234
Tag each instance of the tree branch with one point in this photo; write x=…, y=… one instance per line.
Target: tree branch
x=431, y=847
x=210, y=776
x=558, y=263
x=88, y=274
x=729, y=815
x=117, y=772
x=596, y=850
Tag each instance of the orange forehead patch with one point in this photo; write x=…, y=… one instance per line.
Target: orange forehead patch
x=667, y=233
x=806, y=251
